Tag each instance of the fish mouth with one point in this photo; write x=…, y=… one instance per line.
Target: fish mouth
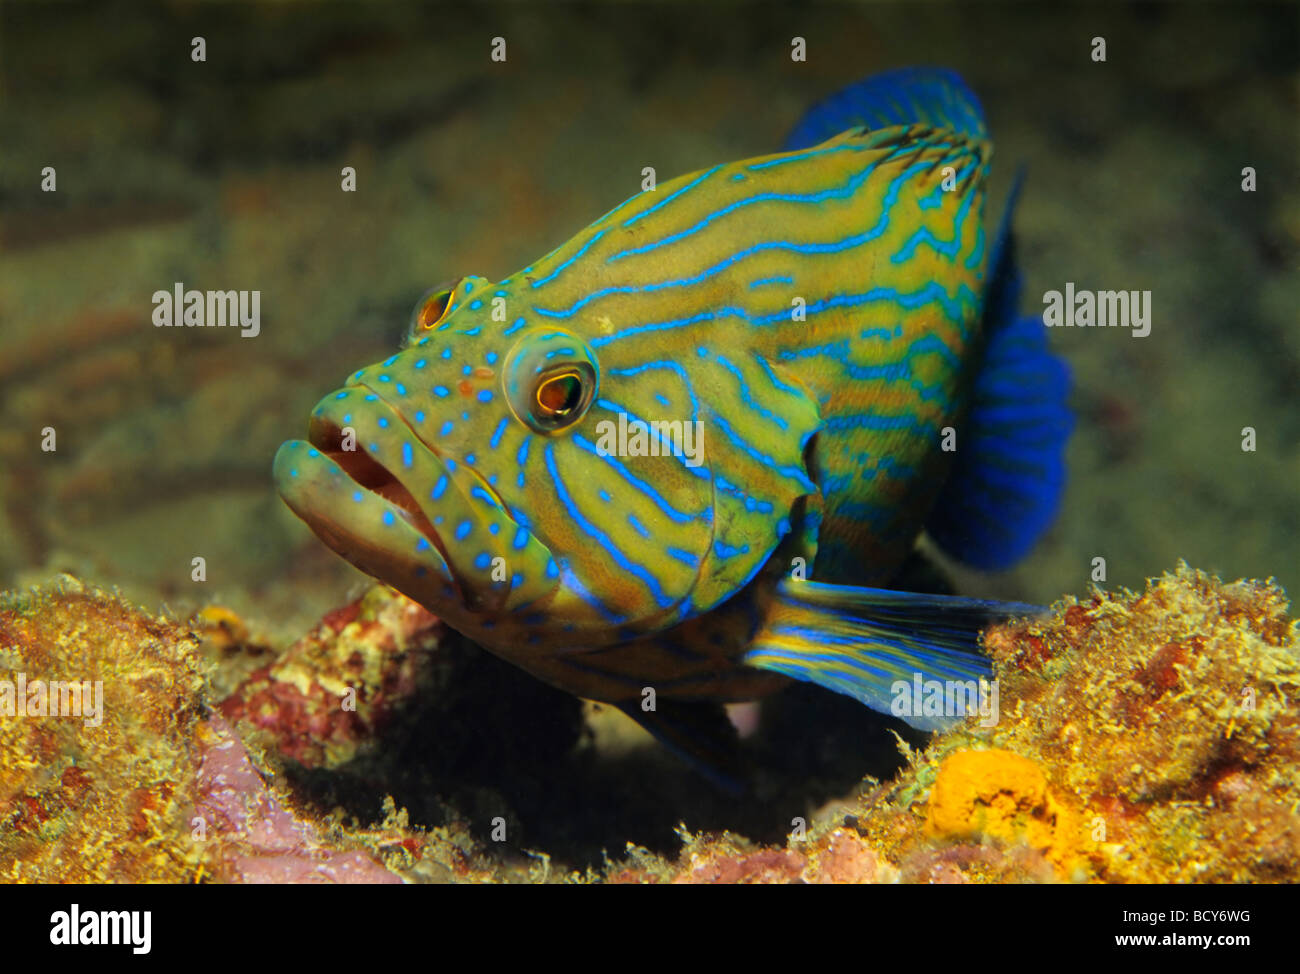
x=326, y=435
x=355, y=483
x=373, y=489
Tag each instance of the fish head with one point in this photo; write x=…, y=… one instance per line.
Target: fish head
x=467, y=471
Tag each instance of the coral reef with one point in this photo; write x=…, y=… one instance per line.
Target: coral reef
x=1141, y=738
x=148, y=784
x=335, y=689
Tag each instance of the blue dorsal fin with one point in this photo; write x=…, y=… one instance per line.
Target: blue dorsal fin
x=1007, y=480
x=906, y=96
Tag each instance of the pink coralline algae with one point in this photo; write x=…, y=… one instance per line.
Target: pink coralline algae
x=261, y=840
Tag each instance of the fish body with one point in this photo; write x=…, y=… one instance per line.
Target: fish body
x=831, y=329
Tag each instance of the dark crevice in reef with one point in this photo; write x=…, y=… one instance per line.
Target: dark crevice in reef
x=499, y=743
x=512, y=747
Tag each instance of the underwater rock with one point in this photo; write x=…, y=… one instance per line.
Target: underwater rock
x=336, y=688
x=838, y=856
x=263, y=842
x=90, y=793
x=1167, y=722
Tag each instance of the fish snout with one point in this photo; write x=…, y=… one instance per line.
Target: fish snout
x=370, y=526
x=393, y=504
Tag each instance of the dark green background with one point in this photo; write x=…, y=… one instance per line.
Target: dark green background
x=226, y=175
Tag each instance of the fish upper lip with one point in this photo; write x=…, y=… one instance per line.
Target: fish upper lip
x=482, y=481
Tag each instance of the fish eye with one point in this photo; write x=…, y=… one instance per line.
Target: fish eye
x=550, y=379
x=432, y=307
x=559, y=399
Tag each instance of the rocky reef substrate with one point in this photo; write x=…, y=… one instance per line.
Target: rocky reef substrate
x=1140, y=738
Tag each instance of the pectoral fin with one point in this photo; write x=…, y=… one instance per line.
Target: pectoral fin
x=863, y=641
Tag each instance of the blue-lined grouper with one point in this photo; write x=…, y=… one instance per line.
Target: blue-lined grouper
x=845, y=334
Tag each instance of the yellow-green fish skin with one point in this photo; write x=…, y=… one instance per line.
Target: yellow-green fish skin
x=687, y=298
